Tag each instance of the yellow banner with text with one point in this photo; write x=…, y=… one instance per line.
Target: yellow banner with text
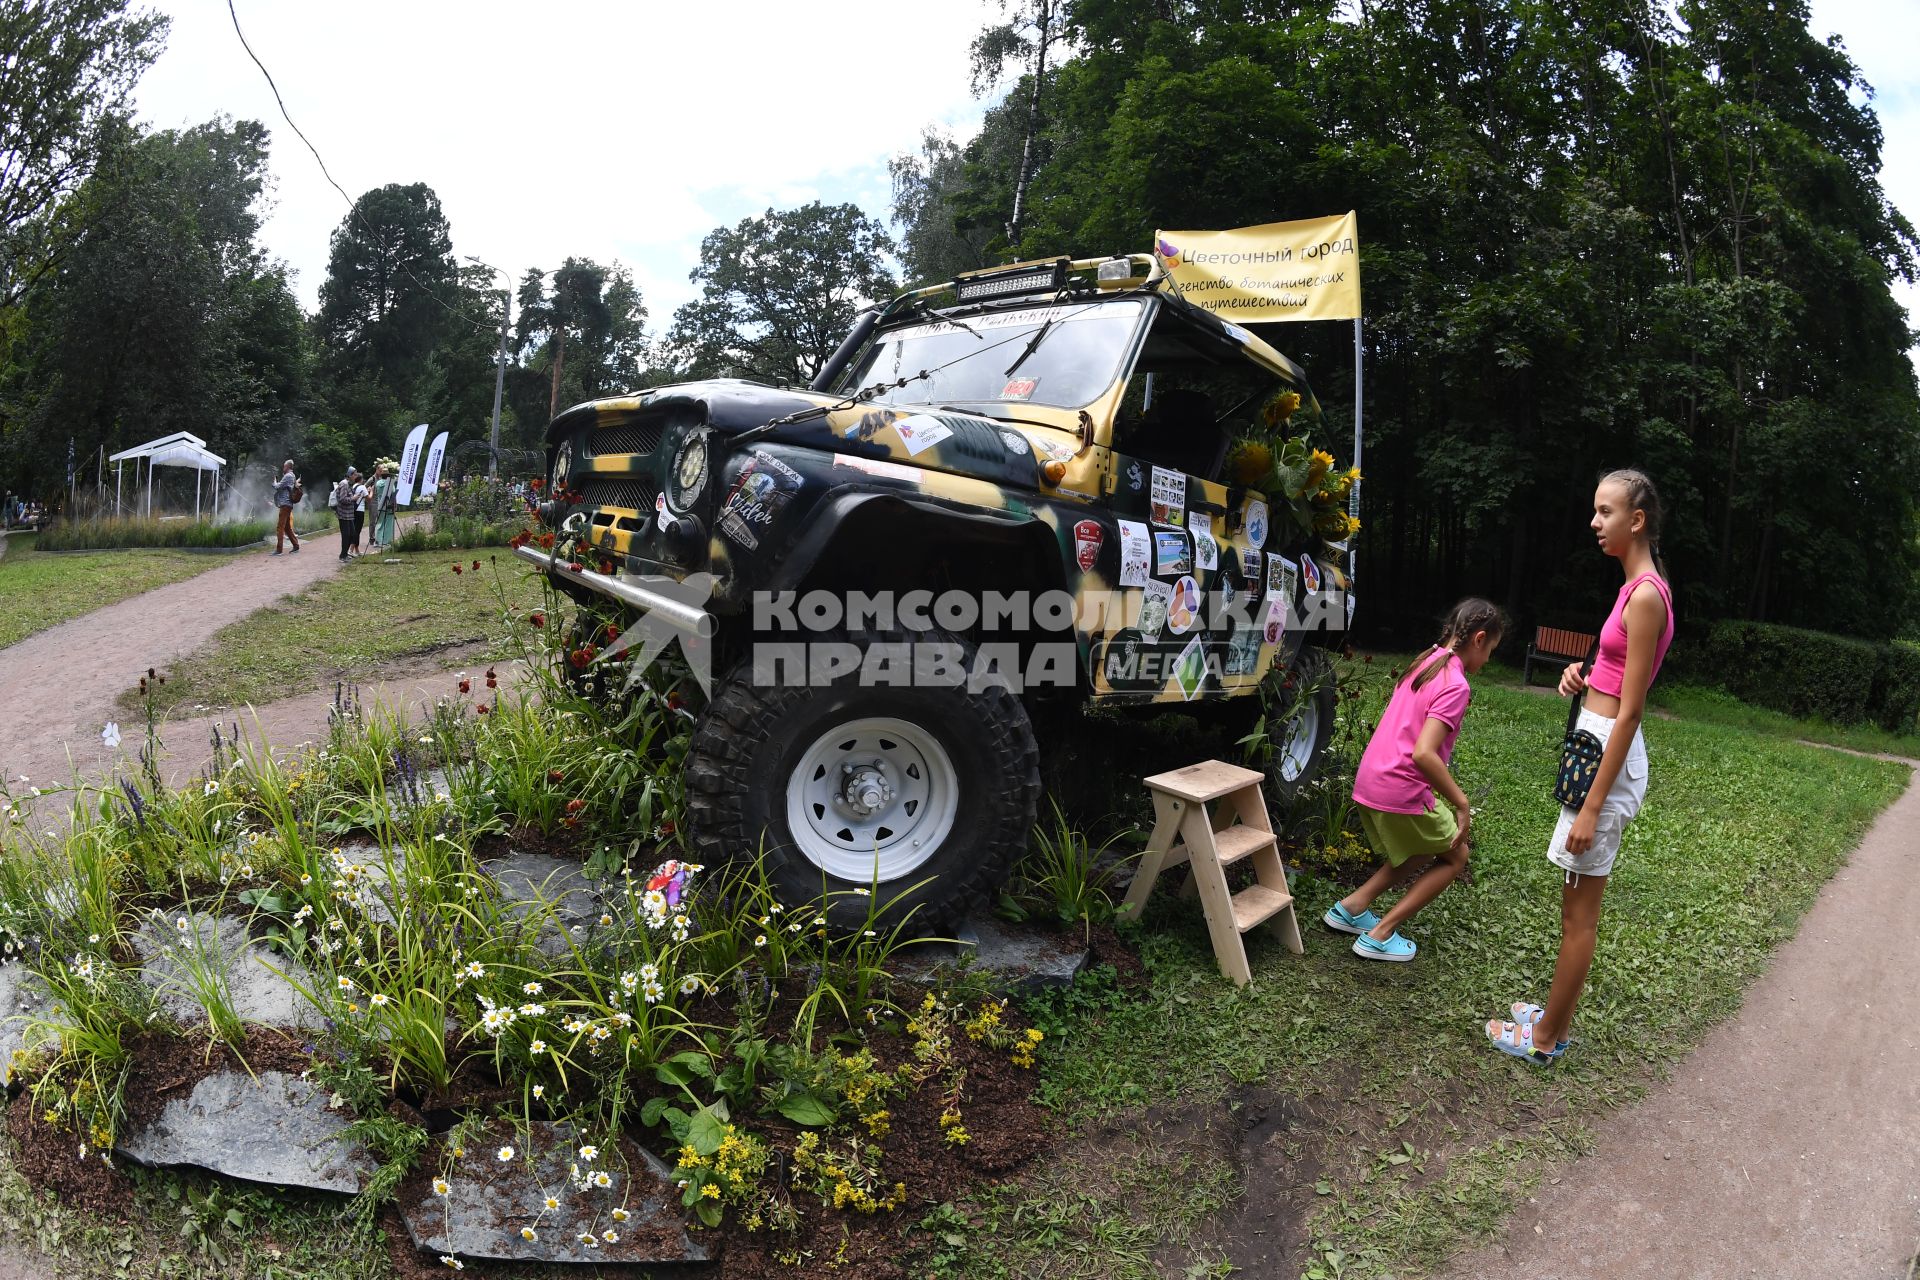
x=1305, y=270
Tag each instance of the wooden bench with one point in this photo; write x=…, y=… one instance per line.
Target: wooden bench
x=1551, y=643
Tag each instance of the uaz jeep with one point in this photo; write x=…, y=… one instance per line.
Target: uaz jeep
x=1014, y=502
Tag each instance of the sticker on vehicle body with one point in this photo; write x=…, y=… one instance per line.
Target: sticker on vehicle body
x=1170, y=497
x=1256, y=522
x=1136, y=554
x=1087, y=537
x=1172, y=553
x=920, y=432
x=1206, y=552
x=1015, y=442
x=1282, y=576
x=1190, y=672
x=877, y=467
x=1250, y=562
x=1019, y=389
x=1310, y=575
x=1243, y=651
x=1183, y=608
x=661, y=520
x=1135, y=478
x=1276, y=620
x=1154, y=598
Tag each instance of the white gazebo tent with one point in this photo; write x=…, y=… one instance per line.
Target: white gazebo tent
x=181, y=449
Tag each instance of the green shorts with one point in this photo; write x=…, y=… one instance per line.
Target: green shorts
x=1399, y=836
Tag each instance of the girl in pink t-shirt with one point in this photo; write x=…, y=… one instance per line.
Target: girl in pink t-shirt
x=1404, y=764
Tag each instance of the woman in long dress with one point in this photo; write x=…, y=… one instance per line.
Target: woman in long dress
x=385, y=490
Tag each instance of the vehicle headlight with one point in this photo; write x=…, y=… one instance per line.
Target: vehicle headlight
x=689, y=472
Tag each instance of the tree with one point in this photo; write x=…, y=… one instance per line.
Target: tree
x=386, y=303
x=165, y=315
x=66, y=68
x=1592, y=235
x=779, y=292
x=1032, y=29
x=938, y=241
x=600, y=310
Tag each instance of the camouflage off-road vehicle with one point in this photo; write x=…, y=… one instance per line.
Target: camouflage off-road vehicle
x=1058, y=429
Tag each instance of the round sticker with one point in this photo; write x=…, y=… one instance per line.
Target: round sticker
x=1184, y=609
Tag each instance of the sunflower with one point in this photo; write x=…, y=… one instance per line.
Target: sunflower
x=1250, y=463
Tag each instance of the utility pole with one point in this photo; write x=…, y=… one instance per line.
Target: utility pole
x=499, y=381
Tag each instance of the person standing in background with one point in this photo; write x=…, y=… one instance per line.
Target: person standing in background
x=286, y=492
x=345, y=503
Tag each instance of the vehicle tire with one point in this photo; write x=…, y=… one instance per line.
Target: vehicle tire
x=1300, y=744
x=930, y=790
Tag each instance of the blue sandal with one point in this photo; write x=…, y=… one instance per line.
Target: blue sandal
x=1528, y=1013
x=1338, y=917
x=1398, y=947
x=1515, y=1039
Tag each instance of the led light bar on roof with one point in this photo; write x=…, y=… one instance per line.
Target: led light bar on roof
x=1008, y=284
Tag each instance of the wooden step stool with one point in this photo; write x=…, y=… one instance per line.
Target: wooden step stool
x=1209, y=843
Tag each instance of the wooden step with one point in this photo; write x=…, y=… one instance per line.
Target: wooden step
x=1237, y=842
x=1208, y=780
x=1256, y=904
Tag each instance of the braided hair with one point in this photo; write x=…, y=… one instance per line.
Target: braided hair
x=1461, y=623
x=1644, y=498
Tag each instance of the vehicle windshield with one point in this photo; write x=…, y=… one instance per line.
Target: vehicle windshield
x=1077, y=358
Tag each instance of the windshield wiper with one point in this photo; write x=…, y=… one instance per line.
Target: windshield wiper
x=1039, y=336
x=927, y=313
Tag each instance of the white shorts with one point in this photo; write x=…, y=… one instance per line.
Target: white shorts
x=1622, y=803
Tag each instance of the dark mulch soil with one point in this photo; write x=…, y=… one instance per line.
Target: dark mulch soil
x=168, y=1066
x=48, y=1156
x=163, y=1067
x=1005, y=1130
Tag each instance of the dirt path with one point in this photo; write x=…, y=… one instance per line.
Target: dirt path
x=58, y=686
x=1788, y=1144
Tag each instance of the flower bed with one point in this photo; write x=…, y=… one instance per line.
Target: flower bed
x=480, y=929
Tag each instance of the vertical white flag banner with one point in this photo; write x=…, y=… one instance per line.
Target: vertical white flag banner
x=430, y=478
x=410, y=463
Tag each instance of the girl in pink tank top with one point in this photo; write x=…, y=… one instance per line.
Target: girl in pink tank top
x=1633, y=643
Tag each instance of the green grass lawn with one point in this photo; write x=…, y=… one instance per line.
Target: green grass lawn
x=1713, y=706
x=352, y=626
x=40, y=591
x=1355, y=1108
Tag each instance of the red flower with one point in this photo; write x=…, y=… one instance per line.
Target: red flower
x=667, y=828
x=538, y=620
x=476, y=566
x=493, y=682
x=546, y=540
x=575, y=806
x=673, y=702
x=466, y=686
x=482, y=708
x=519, y=539
x=606, y=566
x=574, y=565
x=456, y=570
x=554, y=775
x=538, y=484
x=613, y=633
x=582, y=656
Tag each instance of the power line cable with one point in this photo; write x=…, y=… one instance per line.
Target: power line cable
x=353, y=208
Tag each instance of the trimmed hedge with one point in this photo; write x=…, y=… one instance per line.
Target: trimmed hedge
x=1812, y=673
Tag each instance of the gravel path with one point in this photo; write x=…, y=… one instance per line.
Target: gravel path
x=1786, y=1145
x=58, y=687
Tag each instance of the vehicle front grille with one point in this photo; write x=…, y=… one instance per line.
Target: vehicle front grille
x=627, y=437
x=635, y=494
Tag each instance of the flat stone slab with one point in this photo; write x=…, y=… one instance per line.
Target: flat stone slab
x=170, y=955
x=531, y=883
x=277, y=1130
x=489, y=1202
x=23, y=995
x=1015, y=956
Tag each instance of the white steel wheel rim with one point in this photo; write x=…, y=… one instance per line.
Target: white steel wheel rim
x=872, y=799
x=1296, y=748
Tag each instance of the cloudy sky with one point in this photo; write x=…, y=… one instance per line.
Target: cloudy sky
x=627, y=131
